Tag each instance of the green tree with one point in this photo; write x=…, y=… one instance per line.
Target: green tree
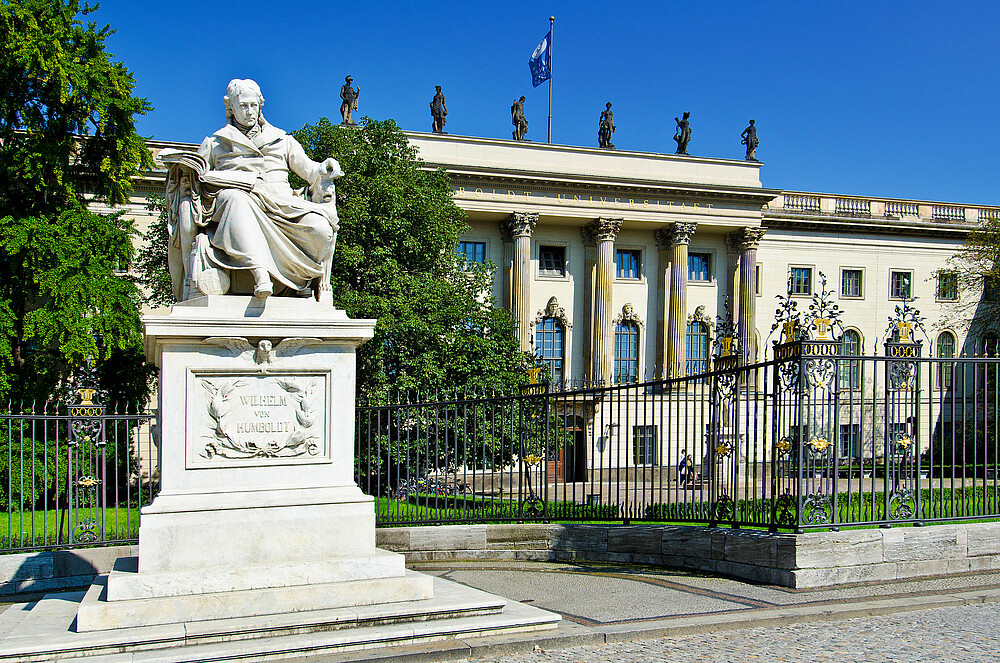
x=975, y=272
x=395, y=261
x=67, y=139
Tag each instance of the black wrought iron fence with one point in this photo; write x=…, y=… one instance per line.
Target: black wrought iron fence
x=811, y=439
x=73, y=475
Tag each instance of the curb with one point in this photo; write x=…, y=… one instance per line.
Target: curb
x=573, y=635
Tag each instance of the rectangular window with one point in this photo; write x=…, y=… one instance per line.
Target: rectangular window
x=473, y=252
x=947, y=286
x=552, y=260
x=800, y=280
x=991, y=288
x=899, y=284
x=699, y=267
x=627, y=263
x=850, y=441
x=549, y=347
x=644, y=447
x=851, y=283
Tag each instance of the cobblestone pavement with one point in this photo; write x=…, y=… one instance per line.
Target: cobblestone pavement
x=962, y=634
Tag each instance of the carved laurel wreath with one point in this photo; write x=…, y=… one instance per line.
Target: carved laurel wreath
x=225, y=444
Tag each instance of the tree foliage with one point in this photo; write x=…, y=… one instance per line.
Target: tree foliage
x=67, y=139
x=976, y=269
x=395, y=261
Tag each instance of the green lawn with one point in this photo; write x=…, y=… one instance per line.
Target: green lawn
x=31, y=529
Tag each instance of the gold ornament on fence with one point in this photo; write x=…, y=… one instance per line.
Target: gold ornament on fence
x=819, y=444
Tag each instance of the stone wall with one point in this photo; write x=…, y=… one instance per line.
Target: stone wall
x=817, y=559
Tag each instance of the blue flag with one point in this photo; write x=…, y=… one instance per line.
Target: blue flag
x=540, y=62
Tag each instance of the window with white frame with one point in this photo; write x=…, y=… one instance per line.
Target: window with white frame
x=627, y=263
x=644, y=445
x=850, y=369
x=947, y=286
x=626, y=352
x=696, y=348
x=800, y=280
x=474, y=253
x=552, y=260
x=549, y=344
x=900, y=284
x=850, y=440
x=945, y=350
x=851, y=282
x=700, y=267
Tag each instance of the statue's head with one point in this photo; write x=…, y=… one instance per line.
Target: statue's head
x=348, y=79
x=609, y=105
x=751, y=123
x=686, y=115
x=437, y=87
x=243, y=102
x=522, y=98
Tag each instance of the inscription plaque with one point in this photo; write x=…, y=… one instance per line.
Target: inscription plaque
x=252, y=419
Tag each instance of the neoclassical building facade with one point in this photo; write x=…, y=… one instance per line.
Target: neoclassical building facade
x=617, y=264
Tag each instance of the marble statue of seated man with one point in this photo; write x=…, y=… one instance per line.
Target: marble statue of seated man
x=236, y=225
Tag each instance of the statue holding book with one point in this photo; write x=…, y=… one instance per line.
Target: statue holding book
x=236, y=225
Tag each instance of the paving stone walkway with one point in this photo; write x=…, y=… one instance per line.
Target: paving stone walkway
x=960, y=634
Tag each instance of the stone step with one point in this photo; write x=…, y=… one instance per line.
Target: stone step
x=49, y=632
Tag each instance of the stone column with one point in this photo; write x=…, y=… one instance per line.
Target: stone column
x=663, y=246
x=517, y=229
x=589, y=283
x=602, y=233
x=679, y=238
x=749, y=241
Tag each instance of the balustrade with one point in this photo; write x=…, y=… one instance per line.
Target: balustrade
x=854, y=207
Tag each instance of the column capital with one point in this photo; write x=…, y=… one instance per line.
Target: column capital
x=518, y=224
x=663, y=239
x=602, y=229
x=678, y=233
x=744, y=239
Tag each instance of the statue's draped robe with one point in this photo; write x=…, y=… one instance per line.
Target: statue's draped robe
x=258, y=222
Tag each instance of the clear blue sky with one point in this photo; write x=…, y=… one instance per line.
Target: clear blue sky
x=877, y=98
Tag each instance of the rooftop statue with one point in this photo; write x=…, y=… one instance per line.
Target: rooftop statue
x=683, y=133
x=750, y=140
x=350, y=96
x=439, y=111
x=518, y=119
x=606, y=128
x=235, y=223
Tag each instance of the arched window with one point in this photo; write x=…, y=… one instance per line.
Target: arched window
x=696, y=348
x=626, y=352
x=990, y=343
x=945, y=350
x=549, y=345
x=850, y=371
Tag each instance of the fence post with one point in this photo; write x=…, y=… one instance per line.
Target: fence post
x=86, y=468
x=901, y=489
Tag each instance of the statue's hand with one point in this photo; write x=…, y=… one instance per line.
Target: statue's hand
x=332, y=168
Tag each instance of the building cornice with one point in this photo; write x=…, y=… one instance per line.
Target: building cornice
x=862, y=226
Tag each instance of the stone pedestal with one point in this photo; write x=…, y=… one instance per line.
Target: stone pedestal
x=258, y=512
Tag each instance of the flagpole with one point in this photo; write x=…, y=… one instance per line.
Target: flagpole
x=552, y=21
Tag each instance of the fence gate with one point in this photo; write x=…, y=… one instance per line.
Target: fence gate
x=86, y=468
x=901, y=426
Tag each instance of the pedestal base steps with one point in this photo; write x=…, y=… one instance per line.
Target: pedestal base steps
x=47, y=630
